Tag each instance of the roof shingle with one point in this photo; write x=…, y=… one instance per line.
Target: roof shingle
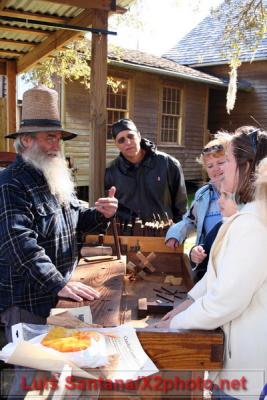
x=141, y=59
x=204, y=45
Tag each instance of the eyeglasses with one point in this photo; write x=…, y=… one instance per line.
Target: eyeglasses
x=129, y=136
x=52, y=139
x=213, y=149
x=49, y=138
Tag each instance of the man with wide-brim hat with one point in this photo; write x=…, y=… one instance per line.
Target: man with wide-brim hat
x=40, y=113
x=41, y=216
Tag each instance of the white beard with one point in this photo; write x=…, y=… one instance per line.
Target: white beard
x=55, y=169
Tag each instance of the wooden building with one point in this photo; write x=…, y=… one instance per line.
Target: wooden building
x=248, y=103
x=32, y=30
x=167, y=101
x=175, y=100
x=202, y=49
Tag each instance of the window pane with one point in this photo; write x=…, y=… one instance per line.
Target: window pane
x=170, y=115
x=117, y=104
x=124, y=101
x=113, y=116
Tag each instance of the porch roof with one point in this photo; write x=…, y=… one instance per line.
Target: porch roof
x=31, y=30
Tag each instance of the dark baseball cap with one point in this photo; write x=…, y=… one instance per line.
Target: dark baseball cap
x=124, y=124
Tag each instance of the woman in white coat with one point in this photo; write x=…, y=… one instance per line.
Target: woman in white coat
x=233, y=293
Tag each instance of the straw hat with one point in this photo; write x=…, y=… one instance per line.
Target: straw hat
x=40, y=113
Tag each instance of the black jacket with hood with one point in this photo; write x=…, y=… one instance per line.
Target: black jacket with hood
x=153, y=186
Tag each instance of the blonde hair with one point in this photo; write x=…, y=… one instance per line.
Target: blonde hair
x=221, y=138
x=261, y=188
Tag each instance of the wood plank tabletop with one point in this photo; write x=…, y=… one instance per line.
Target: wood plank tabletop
x=185, y=354
x=108, y=278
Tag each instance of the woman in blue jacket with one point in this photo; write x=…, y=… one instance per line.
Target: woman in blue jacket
x=204, y=212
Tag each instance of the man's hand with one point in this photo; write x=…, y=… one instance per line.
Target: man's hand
x=172, y=243
x=107, y=205
x=78, y=291
x=197, y=254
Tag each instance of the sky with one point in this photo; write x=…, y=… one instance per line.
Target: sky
x=163, y=24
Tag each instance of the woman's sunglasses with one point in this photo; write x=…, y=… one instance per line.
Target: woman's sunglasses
x=253, y=137
x=129, y=136
x=213, y=149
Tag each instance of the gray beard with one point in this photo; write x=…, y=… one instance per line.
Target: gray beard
x=55, y=170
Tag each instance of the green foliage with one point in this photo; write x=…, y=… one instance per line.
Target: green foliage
x=70, y=63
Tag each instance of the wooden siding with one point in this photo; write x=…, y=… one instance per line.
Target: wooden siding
x=248, y=103
x=76, y=117
x=2, y=86
x=146, y=104
x=196, y=97
x=144, y=110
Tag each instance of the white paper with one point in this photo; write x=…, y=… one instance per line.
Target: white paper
x=82, y=313
x=131, y=360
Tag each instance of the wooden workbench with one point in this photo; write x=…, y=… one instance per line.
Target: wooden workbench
x=176, y=351
x=182, y=354
x=118, y=304
x=108, y=278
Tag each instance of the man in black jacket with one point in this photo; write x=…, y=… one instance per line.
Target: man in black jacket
x=149, y=183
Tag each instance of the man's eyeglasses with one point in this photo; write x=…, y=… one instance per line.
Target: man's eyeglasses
x=213, y=149
x=129, y=136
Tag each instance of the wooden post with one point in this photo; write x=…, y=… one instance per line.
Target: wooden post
x=98, y=91
x=206, y=136
x=3, y=129
x=11, y=98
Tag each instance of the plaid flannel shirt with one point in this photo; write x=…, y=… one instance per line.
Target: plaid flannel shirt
x=38, y=250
